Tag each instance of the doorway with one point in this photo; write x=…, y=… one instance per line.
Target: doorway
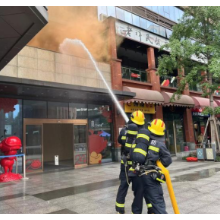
x=45, y=138
x=57, y=140
x=174, y=136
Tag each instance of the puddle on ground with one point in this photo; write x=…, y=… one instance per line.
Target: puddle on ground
x=202, y=174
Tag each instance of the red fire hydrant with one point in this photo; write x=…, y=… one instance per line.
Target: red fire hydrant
x=9, y=146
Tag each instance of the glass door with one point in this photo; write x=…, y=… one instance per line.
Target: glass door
x=80, y=145
x=180, y=144
x=33, y=146
x=170, y=137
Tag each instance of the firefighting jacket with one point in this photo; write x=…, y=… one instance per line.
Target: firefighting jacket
x=127, y=137
x=150, y=148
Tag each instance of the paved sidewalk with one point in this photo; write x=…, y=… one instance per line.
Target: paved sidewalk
x=94, y=189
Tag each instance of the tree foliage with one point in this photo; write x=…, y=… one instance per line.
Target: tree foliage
x=196, y=35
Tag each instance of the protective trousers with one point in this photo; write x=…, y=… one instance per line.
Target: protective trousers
x=137, y=188
x=153, y=194
x=122, y=191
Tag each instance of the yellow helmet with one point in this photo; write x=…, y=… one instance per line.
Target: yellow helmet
x=157, y=126
x=138, y=117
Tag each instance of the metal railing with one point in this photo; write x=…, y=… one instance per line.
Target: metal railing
x=134, y=74
x=169, y=81
x=195, y=87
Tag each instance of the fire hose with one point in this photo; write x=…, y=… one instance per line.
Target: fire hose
x=169, y=187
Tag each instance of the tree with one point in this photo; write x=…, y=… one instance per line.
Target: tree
x=194, y=47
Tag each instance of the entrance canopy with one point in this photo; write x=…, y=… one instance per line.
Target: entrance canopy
x=145, y=96
x=18, y=25
x=202, y=102
x=33, y=89
x=184, y=101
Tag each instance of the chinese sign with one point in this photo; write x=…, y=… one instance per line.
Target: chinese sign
x=145, y=108
x=137, y=34
x=146, y=37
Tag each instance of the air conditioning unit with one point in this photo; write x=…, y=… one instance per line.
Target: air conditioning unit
x=102, y=17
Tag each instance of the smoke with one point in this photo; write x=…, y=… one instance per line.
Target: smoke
x=74, y=23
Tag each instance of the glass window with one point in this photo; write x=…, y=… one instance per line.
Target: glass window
x=11, y=123
x=111, y=11
x=100, y=133
x=136, y=20
x=149, y=7
x=58, y=110
x=120, y=14
x=34, y=148
x=102, y=10
x=166, y=9
x=10, y=118
x=161, y=11
x=162, y=31
x=143, y=23
x=34, y=109
x=177, y=14
x=78, y=111
x=80, y=144
x=155, y=9
x=172, y=13
x=150, y=26
x=169, y=33
x=128, y=17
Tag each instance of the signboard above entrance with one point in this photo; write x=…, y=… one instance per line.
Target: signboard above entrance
x=139, y=35
x=145, y=108
x=146, y=37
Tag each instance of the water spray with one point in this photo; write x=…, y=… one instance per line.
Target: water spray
x=79, y=42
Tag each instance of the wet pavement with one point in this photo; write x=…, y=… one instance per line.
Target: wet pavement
x=93, y=190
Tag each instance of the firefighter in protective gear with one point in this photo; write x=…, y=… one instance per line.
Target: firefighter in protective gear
x=145, y=156
x=127, y=138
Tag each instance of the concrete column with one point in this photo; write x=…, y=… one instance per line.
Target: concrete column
x=154, y=79
x=116, y=78
x=187, y=116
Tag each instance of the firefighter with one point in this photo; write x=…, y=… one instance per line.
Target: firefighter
x=144, y=156
x=127, y=138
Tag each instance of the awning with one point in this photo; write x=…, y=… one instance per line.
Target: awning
x=202, y=102
x=18, y=25
x=42, y=90
x=217, y=102
x=184, y=101
x=144, y=95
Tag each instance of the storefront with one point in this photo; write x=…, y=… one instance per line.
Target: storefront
x=199, y=124
x=174, y=134
x=173, y=116
x=200, y=119
x=76, y=125
x=145, y=101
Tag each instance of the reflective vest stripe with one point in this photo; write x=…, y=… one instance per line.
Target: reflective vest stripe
x=162, y=181
x=156, y=149
x=138, y=150
x=129, y=162
x=132, y=132
x=131, y=169
x=133, y=145
x=123, y=137
x=127, y=145
x=149, y=205
x=120, y=205
x=122, y=161
x=143, y=136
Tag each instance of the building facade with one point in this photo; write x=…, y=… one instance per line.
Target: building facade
x=144, y=29
x=58, y=105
